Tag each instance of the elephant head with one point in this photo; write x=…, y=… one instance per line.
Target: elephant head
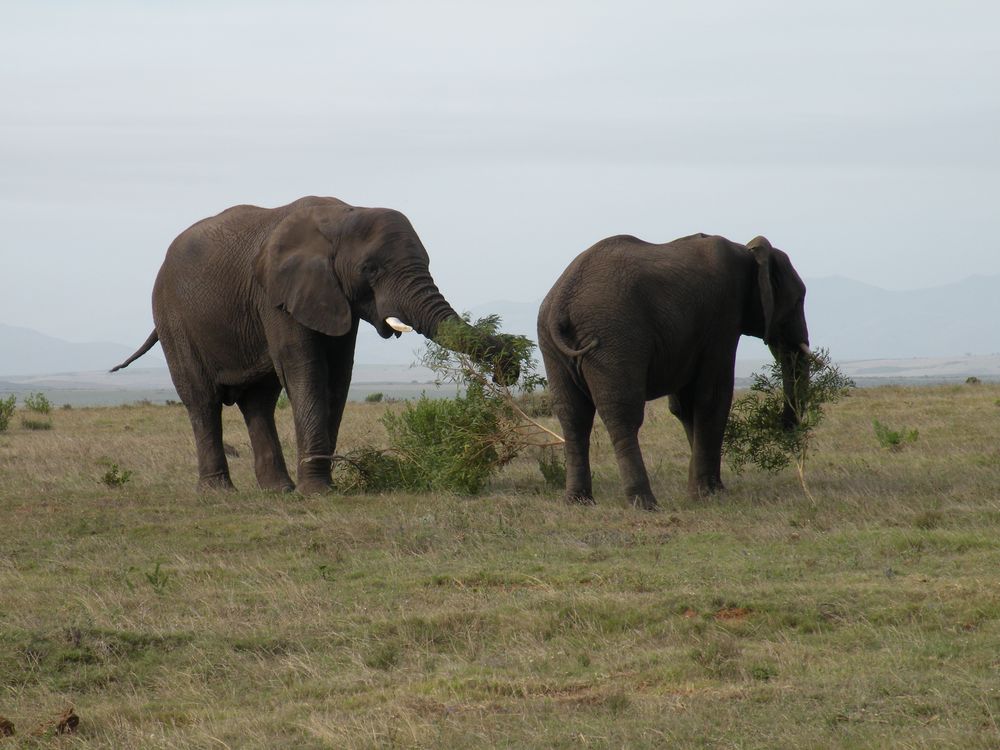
x=784, y=330
x=330, y=263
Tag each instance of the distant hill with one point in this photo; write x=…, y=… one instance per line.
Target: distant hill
x=24, y=351
x=858, y=321
x=855, y=321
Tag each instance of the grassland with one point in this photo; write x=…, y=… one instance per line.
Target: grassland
x=754, y=619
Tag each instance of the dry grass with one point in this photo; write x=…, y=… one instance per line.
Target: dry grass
x=754, y=619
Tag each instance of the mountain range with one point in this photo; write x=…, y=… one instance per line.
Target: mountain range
x=855, y=321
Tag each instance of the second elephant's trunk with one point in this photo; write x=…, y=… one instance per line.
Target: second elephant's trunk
x=795, y=384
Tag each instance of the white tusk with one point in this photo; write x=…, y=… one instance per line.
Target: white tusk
x=806, y=350
x=397, y=325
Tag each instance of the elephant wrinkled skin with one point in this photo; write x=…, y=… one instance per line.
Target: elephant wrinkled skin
x=256, y=299
x=630, y=321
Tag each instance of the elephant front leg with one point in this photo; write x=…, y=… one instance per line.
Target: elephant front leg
x=710, y=417
x=310, y=399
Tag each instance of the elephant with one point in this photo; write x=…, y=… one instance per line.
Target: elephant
x=629, y=321
x=254, y=300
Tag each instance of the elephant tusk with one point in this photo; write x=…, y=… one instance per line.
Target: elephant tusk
x=806, y=350
x=397, y=325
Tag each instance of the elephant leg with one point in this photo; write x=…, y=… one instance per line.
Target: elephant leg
x=206, y=421
x=710, y=416
x=340, y=368
x=310, y=408
x=682, y=408
x=623, y=420
x=575, y=411
x=257, y=404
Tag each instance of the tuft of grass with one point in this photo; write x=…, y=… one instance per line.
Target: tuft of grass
x=891, y=439
x=36, y=424
x=158, y=579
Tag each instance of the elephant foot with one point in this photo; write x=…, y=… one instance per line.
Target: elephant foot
x=705, y=489
x=578, y=498
x=314, y=486
x=644, y=502
x=215, y=483
x=278, y=486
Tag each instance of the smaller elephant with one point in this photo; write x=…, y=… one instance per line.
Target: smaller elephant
x=630, y=321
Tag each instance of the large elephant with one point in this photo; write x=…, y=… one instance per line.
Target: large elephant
x=629, y=321
x=257, y=299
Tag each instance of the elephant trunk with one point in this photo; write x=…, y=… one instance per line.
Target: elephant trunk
x=423, y=307
x=795, y=384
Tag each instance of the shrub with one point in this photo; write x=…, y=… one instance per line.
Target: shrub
x=552, y=467
x=283, y=402
x=37, y=402
x=452, y=444
x=893, y=440
x=374, y=398
x=116, y=476
x=6, y=411
x=755, y=434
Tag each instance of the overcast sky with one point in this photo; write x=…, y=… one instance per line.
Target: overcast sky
x=861, y=137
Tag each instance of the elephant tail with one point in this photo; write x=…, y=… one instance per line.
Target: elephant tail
x=147, y=345
x=556, y=332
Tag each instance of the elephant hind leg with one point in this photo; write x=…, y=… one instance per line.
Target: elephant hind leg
x=623, y=420
x=213, y=469
x=575, y=411
x=257, y=403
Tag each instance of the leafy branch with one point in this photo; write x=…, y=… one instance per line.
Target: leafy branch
x=756, y=432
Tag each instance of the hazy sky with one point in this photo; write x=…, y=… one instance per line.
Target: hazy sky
x=861, y=137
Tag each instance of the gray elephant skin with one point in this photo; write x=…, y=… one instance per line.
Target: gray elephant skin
x=256, y=299
x=630, y=321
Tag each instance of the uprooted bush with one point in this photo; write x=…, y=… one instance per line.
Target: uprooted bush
x=755, y=433
x=451, y=444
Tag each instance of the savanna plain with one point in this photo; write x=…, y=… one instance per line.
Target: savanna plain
x=864, y=614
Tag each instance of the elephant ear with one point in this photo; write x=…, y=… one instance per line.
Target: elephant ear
x=762, y=252
x=295, y=267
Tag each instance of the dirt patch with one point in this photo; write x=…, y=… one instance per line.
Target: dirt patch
x=67, y=723
x=6, y=727
x=733, y=614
